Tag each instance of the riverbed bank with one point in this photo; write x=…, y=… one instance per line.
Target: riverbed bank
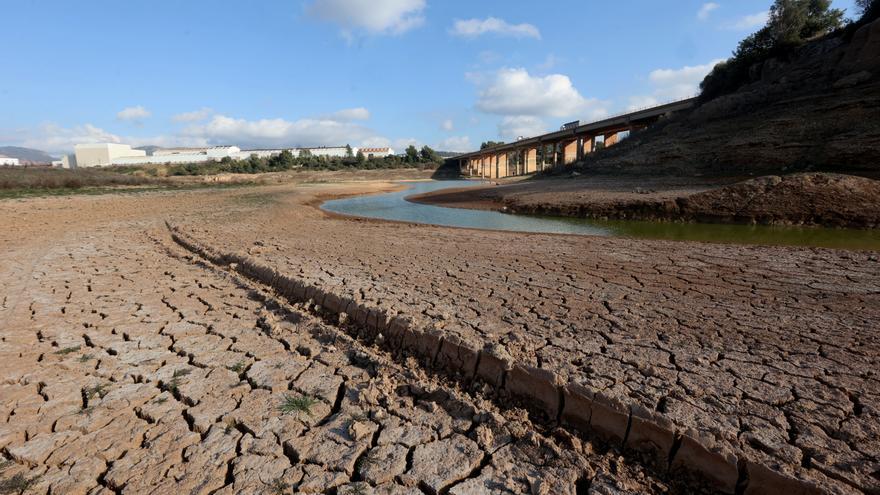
x=828, y=200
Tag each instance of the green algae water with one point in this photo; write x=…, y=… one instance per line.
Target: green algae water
x=394, y=206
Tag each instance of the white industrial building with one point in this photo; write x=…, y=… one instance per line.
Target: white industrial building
x=328, y=151
x=9, y=162
x=106, y=154
x=99, y=155
x=376, y=152
x=181, y=155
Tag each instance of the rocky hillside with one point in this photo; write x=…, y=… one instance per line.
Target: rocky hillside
x=817, y=111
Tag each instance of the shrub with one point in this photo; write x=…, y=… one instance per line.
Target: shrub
x=53, y=178
x=791, y=24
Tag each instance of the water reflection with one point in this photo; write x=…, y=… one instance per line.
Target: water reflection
x=393, y=206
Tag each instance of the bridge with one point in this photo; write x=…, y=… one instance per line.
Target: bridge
x=562, y=147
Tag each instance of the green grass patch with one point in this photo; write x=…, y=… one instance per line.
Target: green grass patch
x=238, y=367
x=297, y=405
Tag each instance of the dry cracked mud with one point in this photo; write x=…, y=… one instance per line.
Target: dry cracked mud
x=129, y=364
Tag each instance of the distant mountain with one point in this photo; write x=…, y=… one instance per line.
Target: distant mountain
x=149, y=149
x=26, y=155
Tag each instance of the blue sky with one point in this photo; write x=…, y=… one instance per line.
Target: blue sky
x=268, y=73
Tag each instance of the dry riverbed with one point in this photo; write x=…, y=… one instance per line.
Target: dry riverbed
x=241, y=351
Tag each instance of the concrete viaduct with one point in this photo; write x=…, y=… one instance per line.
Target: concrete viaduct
x=562, y=147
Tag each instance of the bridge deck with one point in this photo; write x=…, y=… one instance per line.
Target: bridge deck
x=619, y=122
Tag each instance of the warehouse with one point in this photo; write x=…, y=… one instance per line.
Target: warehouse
x=181, y=155
x=9, y=162
x=106, y=154
x=100, y=155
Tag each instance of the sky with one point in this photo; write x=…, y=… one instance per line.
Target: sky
x=285, y=73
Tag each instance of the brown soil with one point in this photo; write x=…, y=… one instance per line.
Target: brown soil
x=132, y=363
x=129, y=366
x=806, y=199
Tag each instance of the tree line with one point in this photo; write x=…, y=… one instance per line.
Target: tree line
x=791, y=24
x=413, y=157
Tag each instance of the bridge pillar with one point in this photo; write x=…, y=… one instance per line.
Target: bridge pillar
x=539, y=157
x=587, y=145
x=611, y=139
x=530, y=158
x=569, y=152
x=500, y=165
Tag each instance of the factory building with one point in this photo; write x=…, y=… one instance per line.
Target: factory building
x=328, y=151
x=181, y=155
x=377, y=152
x=9, y=162
x=106, y=154
x=103, y=154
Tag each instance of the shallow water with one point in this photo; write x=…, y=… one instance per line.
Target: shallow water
x=393, y=206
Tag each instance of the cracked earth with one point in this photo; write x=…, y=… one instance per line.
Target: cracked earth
x=130, y=364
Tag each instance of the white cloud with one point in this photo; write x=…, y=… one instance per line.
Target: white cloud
x=680, y=83
x=672, y=84
x=194, y=116
x=706, y=10
x=403, y=143
x=447, y=125
x=349, y=115
x=472, y=28
x=749, y=22
x=133, y=114
x=455, y=143
x=516, y=92
x=371, y=16
x=54, y=138
x=222, y=129
x=512, y=127
x=335, y=129
x=375, y=142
